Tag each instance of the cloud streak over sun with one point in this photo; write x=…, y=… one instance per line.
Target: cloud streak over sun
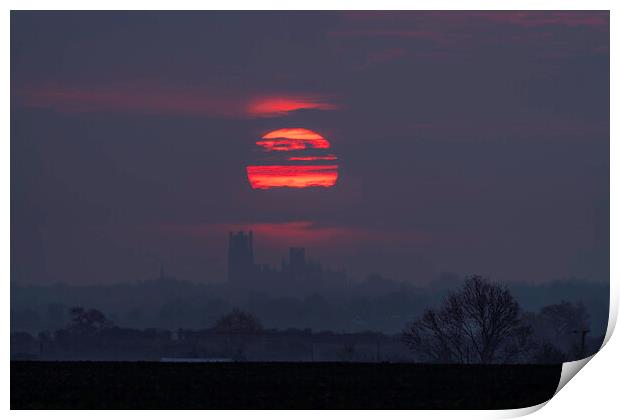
x=287, y=139
x=281, y=105
x=292, y=176
x=156, y=99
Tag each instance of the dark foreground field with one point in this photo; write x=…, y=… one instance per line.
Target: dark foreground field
x=145, y=385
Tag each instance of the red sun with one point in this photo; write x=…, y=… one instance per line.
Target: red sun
x=296, y=158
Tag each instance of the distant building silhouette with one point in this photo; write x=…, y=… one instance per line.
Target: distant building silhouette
x=297, y=274
x=241, y=266
x=297, y=259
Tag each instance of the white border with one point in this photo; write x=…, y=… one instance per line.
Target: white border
x=312, y=5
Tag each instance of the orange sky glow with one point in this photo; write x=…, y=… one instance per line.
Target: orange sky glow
x=274, y=106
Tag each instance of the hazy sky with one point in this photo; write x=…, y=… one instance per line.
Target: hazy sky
x=466, y=142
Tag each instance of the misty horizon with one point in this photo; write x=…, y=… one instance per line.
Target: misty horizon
x=271, y=259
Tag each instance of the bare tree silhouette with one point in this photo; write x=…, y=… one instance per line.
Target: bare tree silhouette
x=565, y=317
x=480, y=323
x=237, y=326
x=238, y=321
x=563, y=326
x=87, y=321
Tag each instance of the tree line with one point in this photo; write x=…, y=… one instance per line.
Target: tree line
x=480, y=323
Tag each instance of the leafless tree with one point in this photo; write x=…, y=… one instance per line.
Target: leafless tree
x=238, y=321
x=564, y=318
x=562, y=326
x=238, y=327
x=480, y=323
x=87, y=321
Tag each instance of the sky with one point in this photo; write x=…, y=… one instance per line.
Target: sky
x=465, y=142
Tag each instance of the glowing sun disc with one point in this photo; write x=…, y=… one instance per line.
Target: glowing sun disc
x=311, y=171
